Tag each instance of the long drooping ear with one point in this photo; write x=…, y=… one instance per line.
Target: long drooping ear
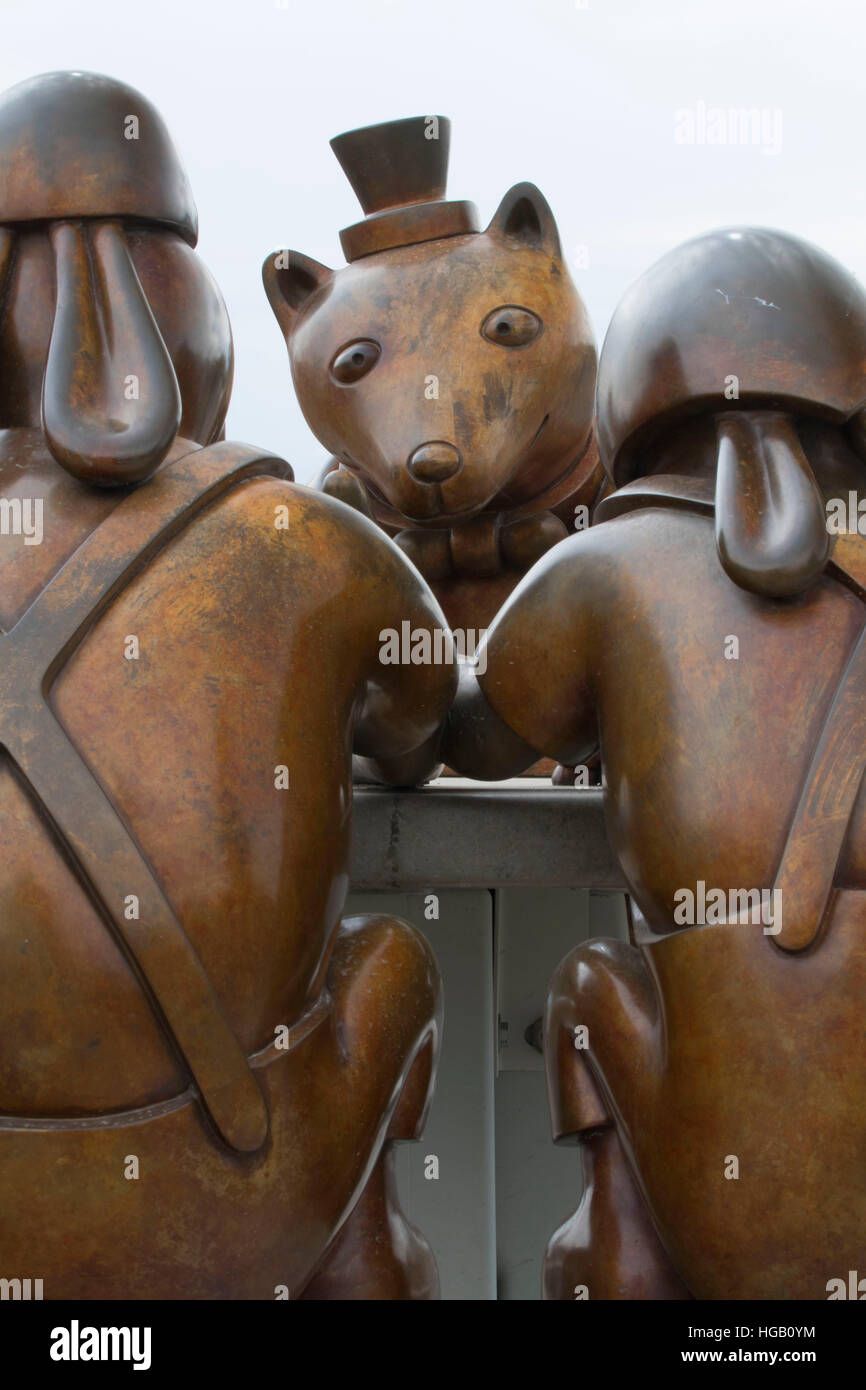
x=771, y=528
x=524, y=216
x=290, y=279
x=110, y=400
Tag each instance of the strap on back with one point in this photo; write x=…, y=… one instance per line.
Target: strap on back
x=73, y=801
x=820, y=825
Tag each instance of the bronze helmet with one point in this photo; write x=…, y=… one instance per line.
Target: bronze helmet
x=97, y=226
x=756, y=328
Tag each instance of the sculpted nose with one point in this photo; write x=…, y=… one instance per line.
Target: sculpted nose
x=434, y=462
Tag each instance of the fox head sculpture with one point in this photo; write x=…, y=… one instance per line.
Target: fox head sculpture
x=450, y=369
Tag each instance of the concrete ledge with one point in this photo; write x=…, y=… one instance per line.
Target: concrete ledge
x=522, y=833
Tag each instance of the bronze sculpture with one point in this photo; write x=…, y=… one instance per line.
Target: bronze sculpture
x=707, y=635
x=202, y=1069
x=449, y=370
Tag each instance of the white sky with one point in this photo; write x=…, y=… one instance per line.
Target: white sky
x=581, y=101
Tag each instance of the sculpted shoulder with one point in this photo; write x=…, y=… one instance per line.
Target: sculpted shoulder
x=317, y=539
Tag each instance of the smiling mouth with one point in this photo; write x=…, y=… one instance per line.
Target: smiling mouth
x=436, y=512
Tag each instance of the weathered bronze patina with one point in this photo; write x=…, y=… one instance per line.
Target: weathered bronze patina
x=449, y=370
x=202, y=1068
x=708, y=636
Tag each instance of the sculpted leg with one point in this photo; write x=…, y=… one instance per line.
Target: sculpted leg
x=609, y=1248
x=600, y=1032
x=378, y=1254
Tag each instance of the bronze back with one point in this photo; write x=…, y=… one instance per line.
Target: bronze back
x=707, y=635
x=189, y=654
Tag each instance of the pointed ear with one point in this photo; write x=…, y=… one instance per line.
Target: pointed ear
x=524, y=216
x=290, y=279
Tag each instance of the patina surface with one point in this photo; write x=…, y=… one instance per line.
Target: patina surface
x=708, y=636
x=449, y=370
x=202, y=1068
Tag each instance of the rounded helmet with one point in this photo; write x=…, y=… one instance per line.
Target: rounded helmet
x=742, y=318
x=77, y=144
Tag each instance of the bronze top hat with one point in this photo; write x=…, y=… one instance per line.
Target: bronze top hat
x=399, y=170
x=77, y=144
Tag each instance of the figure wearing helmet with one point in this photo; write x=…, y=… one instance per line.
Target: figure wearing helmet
x=202, y=1070
x=708, y=636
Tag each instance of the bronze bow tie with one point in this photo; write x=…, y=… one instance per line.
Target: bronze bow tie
x=485, y=546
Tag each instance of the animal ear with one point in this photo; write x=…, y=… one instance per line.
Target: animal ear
x=290, y=279
x=524, y=216
x=771, y=528
x=111, y=405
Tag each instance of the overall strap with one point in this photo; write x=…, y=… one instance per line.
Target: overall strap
x=820, y=825
x=72, y=800
x=819, y=828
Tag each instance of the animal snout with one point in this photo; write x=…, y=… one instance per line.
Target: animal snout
x=434, y=462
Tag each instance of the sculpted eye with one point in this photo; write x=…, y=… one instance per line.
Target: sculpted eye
x=355, y=361
x=511, y=326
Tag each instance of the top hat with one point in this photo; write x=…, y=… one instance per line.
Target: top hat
x=399, y=170
x=69, y=147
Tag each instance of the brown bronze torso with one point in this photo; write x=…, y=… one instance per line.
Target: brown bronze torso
x=251, y=656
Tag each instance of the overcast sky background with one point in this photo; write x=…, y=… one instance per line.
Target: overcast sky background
x=581, y=98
